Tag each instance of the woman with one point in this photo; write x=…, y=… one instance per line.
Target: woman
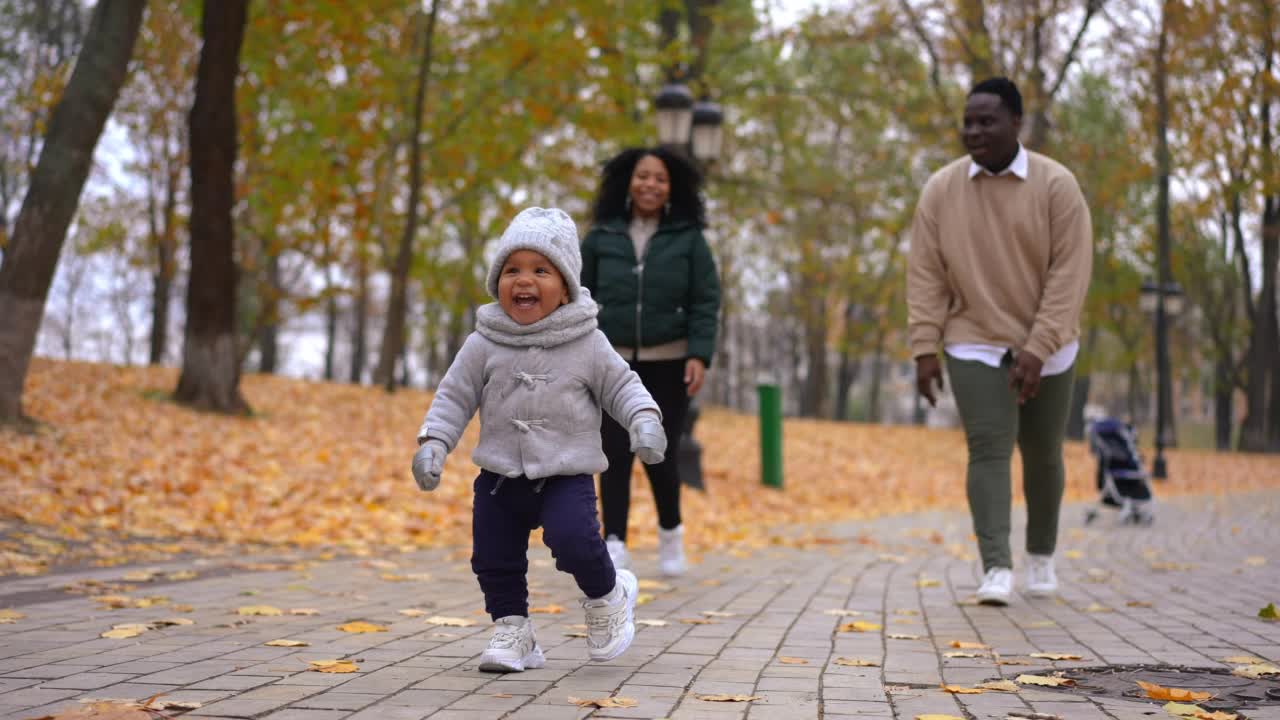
x=647, y=264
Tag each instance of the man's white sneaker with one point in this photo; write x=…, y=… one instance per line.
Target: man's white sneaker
x=671, y=551
x=618, y=553
x=996, y=587
x=1041, y=580
x=513, y=647
x=611, y=619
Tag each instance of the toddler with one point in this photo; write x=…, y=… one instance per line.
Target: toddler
x=539, y=372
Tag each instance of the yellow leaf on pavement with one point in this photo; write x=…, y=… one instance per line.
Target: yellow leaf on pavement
x=841, y=612
x=1073, y=554
x=547, y=610
x=859, y=626
x=10, y=616
x=1056, y=656
x=287, y=643
x=303, y=611
x=413, y=612
x=653, y=623
x=1138, y=604
x=1160, y=692
x=333, y=666
x=259, y=610
x=1255, y=560
x=957, y=690
x=729, y=698
x=1269, y=612
x=958, y=654
x=616, y=701
x=1046, y=681
x=792, y=660
x=124, y=632
x=926, y=582
x=449, y=621
x=1256, y=671
x=855, y=662
x=717, y=613
x=1001, y=685
x=644, y=598
x=361, y=626
x=1096, y=608
x=1242, y=659
x=967, y=645
x=654, y=585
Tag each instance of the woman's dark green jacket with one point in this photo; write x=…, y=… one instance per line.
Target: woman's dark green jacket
x=673, y=293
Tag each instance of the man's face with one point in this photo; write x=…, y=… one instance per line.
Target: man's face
x=990, y=132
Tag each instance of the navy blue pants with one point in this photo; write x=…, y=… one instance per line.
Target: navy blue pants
x=565, y=508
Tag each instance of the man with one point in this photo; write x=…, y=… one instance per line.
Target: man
x=1001, y=251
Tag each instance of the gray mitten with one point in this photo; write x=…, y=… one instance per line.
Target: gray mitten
x=428, y=463
x=648, y=440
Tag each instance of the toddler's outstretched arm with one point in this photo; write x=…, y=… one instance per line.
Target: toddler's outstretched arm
x=455, y=403
x=625, y=398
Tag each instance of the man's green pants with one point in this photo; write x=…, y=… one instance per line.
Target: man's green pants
x=993, y=422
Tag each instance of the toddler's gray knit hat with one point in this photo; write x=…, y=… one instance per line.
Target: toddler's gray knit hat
x=549, y=231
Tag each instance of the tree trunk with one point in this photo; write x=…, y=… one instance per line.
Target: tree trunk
x=815, y=341
x=393, y=333
x=166, y=242
x=360, y=331
x=1223, y=405
x=269, y=306
x=847, y=373
x=210, y=377
x=65, y=158
x=877, y=376
x=1080, y=390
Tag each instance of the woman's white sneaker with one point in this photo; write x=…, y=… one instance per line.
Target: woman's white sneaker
x=1042, y=581
x=618, y=553
x=513, y=647
x=671, y=551
x=997, y=587
x=611, y=619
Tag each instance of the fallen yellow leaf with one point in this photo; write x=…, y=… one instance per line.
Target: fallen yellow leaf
x=925, y=582
x=333, y=666
x=449, y=621
x=841, y=612
x=718, y=613
x=1096, y=608
x=1243, y=659
x=287, y=643
x=124, y=632
x=652, y=623
x=259, y=610
x=1001, y=685
x=859, y=626
x=792, y=660
x=967, y=645
x=1255, y=560
x=1073, y=554
x=957, y=690
x=1056, y=656
x=1160, y=692
x=961, y=655
x=361, y=626
x=654, y=585
x=607, y=702
x=1256, y=671
x=10, y=616
x=1046, y=681
x=547, y=610
x=644, y=598
x=413, y=612
x=906, y=613
x=729, y=698
x=303, y=611
x=1138, y=604
x=855, y=662
x=1269, y=612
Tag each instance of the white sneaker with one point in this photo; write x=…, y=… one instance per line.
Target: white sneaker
x=513, y=647
x=611, y=619
x=671, y=551
x=1041, y=580
x=618, y=553
x=997, y=587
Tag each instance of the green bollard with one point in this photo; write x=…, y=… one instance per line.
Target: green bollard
x=770, y=434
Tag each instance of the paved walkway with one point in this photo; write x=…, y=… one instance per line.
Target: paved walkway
x=1184, y=592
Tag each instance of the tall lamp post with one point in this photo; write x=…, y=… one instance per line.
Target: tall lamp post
x=1165, y=301
x=693, y=130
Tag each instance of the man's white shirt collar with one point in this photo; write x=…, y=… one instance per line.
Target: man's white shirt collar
x=1018, y=167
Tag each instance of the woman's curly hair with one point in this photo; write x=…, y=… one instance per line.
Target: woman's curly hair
x=615, y=186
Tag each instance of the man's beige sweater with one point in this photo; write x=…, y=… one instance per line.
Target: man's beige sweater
x=998, y=260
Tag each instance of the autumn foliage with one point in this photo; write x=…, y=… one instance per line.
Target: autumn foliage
x=119, y=473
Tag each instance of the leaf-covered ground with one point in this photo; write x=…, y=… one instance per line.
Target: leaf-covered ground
x=118, y=473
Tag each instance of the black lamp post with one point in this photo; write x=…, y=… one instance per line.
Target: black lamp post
x=1165, y=301
x=694, y=130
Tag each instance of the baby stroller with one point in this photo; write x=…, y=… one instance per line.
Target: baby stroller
x=1122, y=480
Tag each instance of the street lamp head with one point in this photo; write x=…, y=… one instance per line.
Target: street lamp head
x=1149, y=296
x=674, y=104
x=708, y=132
x=1174, y=299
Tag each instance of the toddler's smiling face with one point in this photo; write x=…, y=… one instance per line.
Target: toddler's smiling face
x=530, y=287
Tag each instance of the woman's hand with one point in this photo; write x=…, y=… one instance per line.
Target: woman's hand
x=695, y=371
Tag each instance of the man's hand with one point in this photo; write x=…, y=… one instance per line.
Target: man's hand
x=695, y=371
x=928, y=370
x=428, y=463
x=1024, y=375
x=648, y=439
